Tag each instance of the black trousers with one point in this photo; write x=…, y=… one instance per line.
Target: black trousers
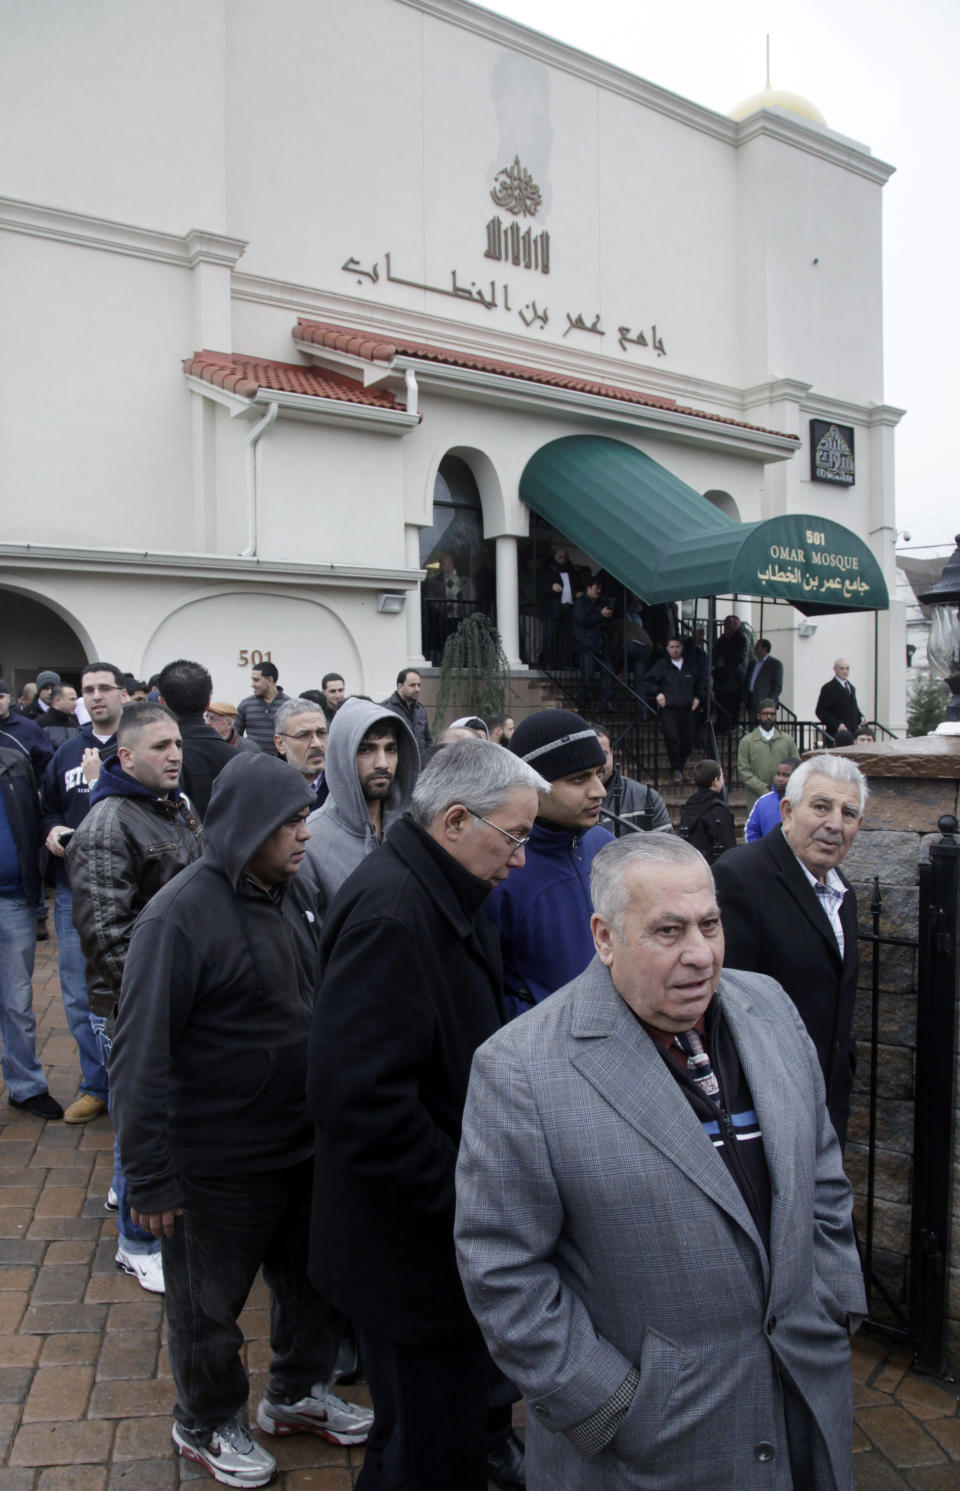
x=231, y=1226
x=677, y=735
x=430, y=1421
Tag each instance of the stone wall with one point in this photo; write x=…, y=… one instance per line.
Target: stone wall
x=912, y=784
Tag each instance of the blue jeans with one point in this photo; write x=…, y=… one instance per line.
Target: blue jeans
x=76, y=1005
x=22, y=1072
x=134, y=1239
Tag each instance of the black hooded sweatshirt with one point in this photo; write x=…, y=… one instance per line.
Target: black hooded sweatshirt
x=208, y=1068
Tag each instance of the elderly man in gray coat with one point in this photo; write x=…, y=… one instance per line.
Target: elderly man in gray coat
x=653, y=1224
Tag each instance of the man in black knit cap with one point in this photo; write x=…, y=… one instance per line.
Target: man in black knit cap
x=543, y=913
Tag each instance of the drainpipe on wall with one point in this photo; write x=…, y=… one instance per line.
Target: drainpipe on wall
x=250, y=552
x=413, y=392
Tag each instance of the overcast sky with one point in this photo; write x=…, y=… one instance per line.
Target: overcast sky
x=885, y=74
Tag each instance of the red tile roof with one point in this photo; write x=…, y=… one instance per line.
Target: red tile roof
x=245, y=376
x=367, y=345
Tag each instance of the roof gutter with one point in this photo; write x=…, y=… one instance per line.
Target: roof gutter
x=260, y=428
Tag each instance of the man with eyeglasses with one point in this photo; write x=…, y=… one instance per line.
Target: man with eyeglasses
x=371, y=770
x=65, y=802
x=410, y=985
x=301, y=739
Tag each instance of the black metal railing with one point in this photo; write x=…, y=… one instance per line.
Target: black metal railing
x=938, y=987
x=919, y=1315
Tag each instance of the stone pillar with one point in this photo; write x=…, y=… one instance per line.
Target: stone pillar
x=508, y=601
x=412, y=610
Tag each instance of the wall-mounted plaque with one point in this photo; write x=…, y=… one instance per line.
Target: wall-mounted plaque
x=831, y=453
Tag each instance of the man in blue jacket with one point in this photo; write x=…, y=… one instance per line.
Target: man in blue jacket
x=19, y=891
x=65, y=802
x=543, y=911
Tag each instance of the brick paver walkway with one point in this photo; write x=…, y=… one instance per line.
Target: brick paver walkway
x=85, y=1392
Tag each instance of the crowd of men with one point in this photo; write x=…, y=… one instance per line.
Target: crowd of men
x=440, y=1036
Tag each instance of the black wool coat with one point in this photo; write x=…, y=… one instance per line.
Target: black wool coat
x=773, y=923
x=838, y=706
x=410, y=985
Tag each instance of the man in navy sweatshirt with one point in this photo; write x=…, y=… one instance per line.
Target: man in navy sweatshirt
x=65, y=802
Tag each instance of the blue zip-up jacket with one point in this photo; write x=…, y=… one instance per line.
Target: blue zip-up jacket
x=65, y=791
x=764, y=815
x=543, y=915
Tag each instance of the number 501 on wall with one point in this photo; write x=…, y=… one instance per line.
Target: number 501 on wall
x=253, y=658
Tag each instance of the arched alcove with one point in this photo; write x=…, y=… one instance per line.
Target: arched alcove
x=460, y=562
x=36, y=634
x=724, y=502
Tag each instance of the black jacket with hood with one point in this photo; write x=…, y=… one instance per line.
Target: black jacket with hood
x=208, y=1068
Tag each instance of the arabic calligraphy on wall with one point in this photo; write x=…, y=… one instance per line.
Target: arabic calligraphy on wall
x=515, y=190
x=527, y=250
x=497, y=296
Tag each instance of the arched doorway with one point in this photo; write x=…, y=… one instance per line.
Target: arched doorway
x=35, y=636
x=460, y=562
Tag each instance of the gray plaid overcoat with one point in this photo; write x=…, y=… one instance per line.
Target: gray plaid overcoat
x=598, y=1228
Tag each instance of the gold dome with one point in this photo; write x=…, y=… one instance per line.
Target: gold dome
x=778, y=98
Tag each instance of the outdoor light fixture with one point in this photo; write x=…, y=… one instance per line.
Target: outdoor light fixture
x=943, y=648
x=390, y=602
x=806, y=628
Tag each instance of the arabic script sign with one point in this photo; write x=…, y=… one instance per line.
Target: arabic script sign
x=831, y=453
x=515, y=190
x=810, y=561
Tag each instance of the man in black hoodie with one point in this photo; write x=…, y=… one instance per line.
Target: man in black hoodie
x=208, y=1076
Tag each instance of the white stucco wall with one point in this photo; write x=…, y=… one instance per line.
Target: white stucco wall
x=312, y=132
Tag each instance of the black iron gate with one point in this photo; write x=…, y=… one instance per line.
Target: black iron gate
x=917, y=1313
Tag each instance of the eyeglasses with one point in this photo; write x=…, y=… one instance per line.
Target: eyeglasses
x=89, y=689
x=305, y=735
x=517, y=843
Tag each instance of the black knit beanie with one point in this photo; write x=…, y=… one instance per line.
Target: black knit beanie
x=556, y=743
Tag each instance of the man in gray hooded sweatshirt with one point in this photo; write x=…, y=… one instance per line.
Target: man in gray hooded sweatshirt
x=371, y=770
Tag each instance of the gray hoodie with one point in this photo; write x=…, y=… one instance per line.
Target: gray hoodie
x=342, y=834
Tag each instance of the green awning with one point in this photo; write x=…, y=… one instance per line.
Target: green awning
x=666, y=542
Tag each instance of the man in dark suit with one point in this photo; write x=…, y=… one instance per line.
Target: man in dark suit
x=788, y=912
x=410, y=985
x=764, y=680
x=837, y=708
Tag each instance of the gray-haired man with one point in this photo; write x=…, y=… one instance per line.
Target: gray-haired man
x=789, y=912
x=653, y=1223
x=300, y=737
x=410, y=986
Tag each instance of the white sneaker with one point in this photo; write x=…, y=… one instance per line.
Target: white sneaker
x=228, y=1453
x=322, y=1413
x=112, y=1202
x=147, y=1269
